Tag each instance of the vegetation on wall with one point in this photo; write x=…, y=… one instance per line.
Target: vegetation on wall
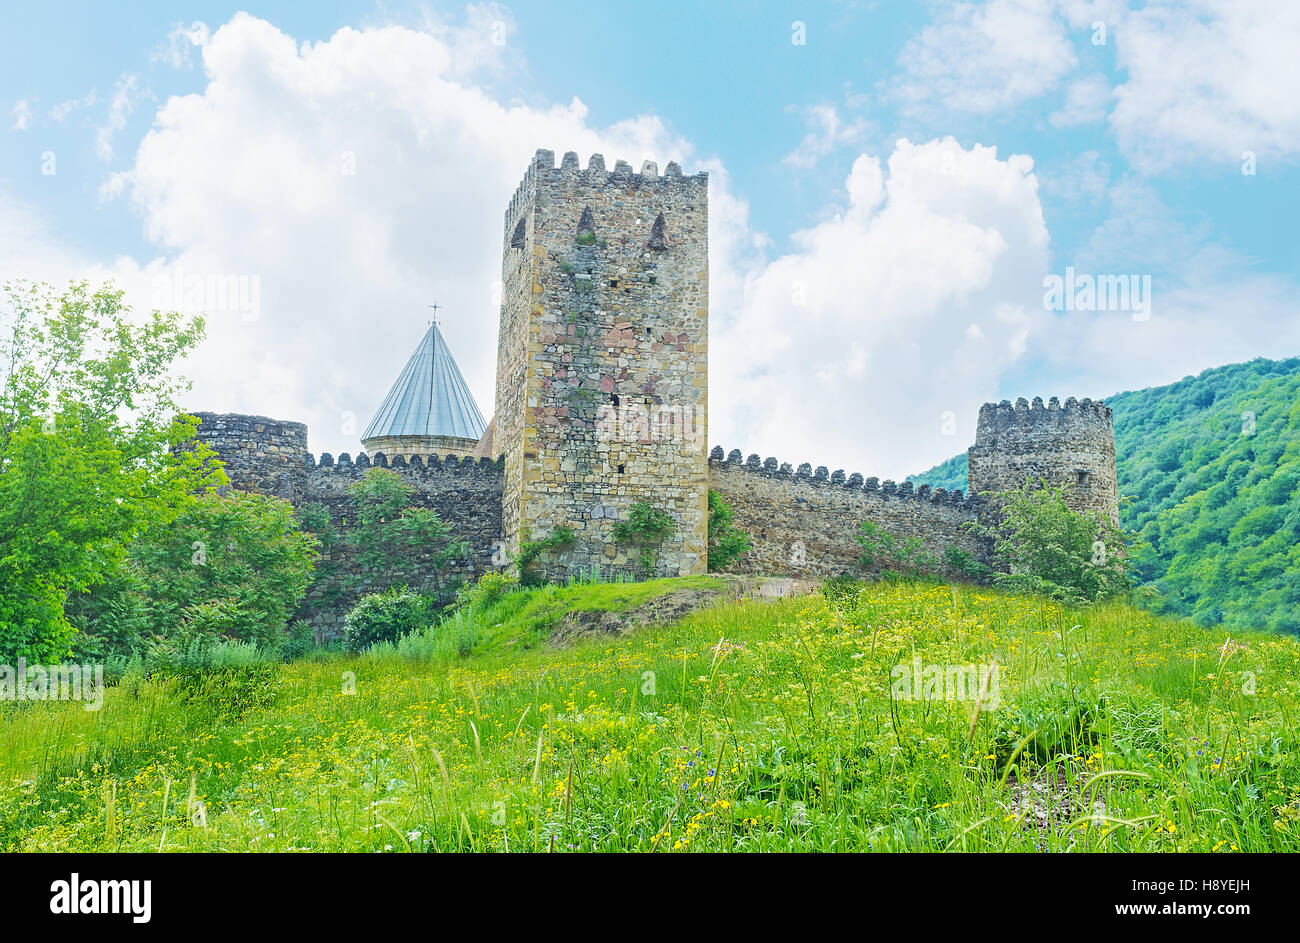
x=727, y=542
x=386, y=532
x=883, y=552
x=531, y=551
x=645, y=528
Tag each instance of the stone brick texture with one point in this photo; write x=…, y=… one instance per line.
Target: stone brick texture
x=803, y=522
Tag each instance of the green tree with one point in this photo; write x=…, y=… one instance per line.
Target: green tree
x=390, y=532
x=1050, y=549
x=727, y=543
x=89, y=430
x=233, y=566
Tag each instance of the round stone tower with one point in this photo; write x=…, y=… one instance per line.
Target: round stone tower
x=260, y=454
x=1070, y=446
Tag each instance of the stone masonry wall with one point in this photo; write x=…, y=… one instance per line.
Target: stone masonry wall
x=602, y=366
x=466, y=494
x=802, y=522
x=260, y=454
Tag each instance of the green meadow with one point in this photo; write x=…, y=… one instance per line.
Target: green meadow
x=753, y=725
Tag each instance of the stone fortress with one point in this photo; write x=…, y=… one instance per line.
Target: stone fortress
x=601, y=402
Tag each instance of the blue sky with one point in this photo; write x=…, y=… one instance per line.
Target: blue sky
x=1138, y=136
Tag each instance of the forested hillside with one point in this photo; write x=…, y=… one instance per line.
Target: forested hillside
x=1209, y=469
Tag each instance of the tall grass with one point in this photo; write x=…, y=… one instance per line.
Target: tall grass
x=752, y=726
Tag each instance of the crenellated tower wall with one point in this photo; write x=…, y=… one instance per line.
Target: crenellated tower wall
x=602, y=365
x=1070, y=445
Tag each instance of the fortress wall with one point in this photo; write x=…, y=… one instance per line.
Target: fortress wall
x=466, y=493
x=785, y=511
x=271, y=457
x=800, y=521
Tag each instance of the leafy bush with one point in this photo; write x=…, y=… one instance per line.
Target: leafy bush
x=1050, y=549
x=965, y=563
x=727, y=543
x=486, y=590
x=300, y=640
x=882, y=551
x=233, y=566
x=385, y=617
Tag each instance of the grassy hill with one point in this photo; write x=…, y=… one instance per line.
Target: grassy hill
x=749, y=726
x=1209, y=476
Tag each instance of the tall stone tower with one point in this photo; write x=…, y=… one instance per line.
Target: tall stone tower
x=602, y=363
x=1071, y=445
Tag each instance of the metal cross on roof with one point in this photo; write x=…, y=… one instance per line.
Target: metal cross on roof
x=435, y=306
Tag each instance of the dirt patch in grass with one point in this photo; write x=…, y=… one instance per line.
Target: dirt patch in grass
x=1048, y=802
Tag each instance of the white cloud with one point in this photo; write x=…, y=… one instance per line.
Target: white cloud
x=983, y=58
x=904, y=306
x=127, y=94
x=1207, y=80
x=829, y=131
x=64, y=108
x=22, y=112
x=1086, y=101
x=181, y=41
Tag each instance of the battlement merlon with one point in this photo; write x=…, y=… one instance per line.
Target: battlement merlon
x=543, y=172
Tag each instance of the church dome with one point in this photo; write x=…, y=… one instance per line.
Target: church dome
x=429, y=409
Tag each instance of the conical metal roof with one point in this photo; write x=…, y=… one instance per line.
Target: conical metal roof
x=429, y=398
